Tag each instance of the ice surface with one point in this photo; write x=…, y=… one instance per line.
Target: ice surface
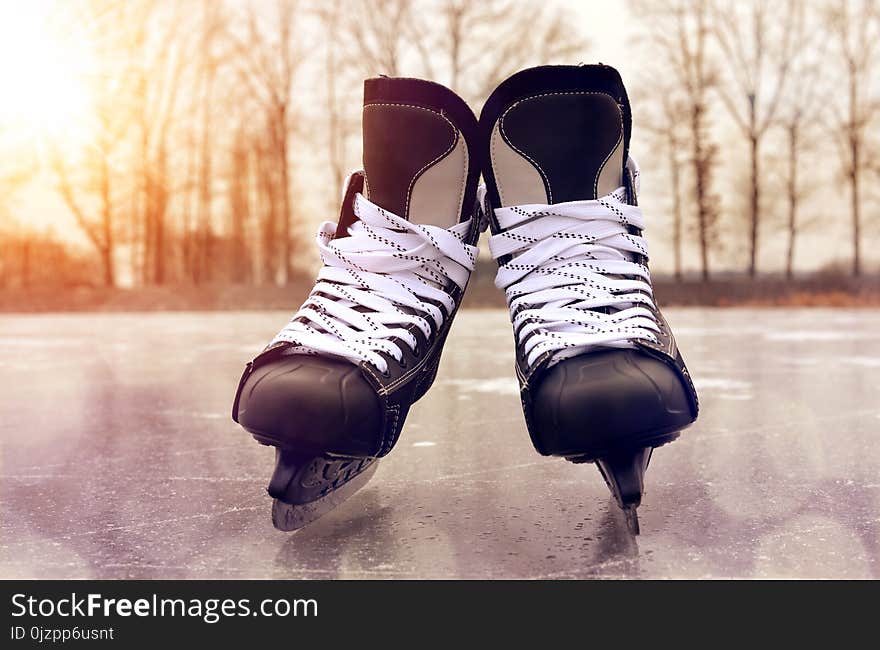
x=118, y=459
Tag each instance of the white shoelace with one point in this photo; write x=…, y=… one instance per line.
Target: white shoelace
x=572, y=284
x=387, y=274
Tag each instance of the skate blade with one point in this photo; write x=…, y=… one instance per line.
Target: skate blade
x=288, y=517
x=632, y=519
x=624, y=473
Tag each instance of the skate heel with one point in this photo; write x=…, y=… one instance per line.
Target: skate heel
x=305, y=487
x=624, y=473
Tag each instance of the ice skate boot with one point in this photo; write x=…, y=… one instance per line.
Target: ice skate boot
x=332, y=390
x=600, y=375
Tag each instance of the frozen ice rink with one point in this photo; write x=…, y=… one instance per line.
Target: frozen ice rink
x=118, y=459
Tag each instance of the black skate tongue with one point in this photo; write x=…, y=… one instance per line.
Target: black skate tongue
x=347, y=217
x=416, y=155
x=556, y=134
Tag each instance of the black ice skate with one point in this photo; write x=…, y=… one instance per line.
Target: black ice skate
x=600, y=375
x=332, y=390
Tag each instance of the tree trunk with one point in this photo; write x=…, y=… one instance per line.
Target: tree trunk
x=856, y=216
x=854, y=168
x=334, y=124
x=146, y=217
x=204, y=259
x=204, y=237
x=26, y=263
x=700, y=189
x=754, y=204
x=159, y=218
x=188, y=220
x=238, y=202
x=792, y=186
x=135, y=232
x=160, y=207
x=107, y=263
x=676, y=204
x=455, y=48
x=283, y=165
x=855, y=198
x=269, y=210
x=106, y=248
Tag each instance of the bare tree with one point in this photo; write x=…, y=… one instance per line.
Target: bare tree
x=121, y=177
x=15, y=242
x=239, y=204
x=271, y=57
x=680, y=36
x=799, y=116
x=91, y=182
x=380, y=32
x=446, y=40
x=202, y=113
x=666, y=129
x=15, y=171
x=452, y=35
x=468, y=46
x=339, y=93
x=94, y=184
x=212, y=26
x=856, y=30
x=757, y=41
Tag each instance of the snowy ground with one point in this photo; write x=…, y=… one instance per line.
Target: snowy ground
x=118, y=459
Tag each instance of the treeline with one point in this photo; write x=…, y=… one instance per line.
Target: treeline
x=762, y=109
x=221, y=131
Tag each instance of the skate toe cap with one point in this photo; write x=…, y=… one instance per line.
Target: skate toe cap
x=605, y=400
x=312, y=403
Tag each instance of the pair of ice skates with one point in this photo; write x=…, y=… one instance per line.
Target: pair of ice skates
x=600, y=375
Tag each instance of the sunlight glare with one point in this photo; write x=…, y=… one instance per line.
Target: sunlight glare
x=41, y=73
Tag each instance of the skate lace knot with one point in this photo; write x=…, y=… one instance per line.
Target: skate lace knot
x=387, y=275
x=577, y=275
